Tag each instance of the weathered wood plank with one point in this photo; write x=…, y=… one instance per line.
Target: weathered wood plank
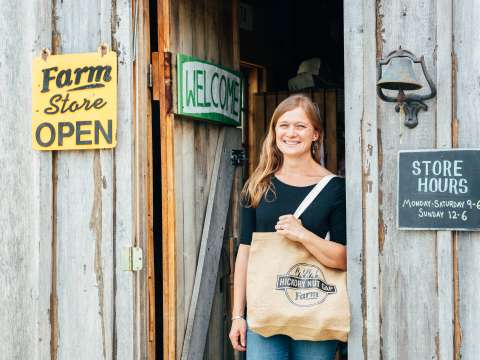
x=445, y=282
x=85, y=186
x=407, y=258
x=354, y=15
x=371, y=178
x=167, y=14
x=465, y=91
x=26, y=186
x=184, y=186
x=124, y=188
x=145, y=300
x=212, y=238
x=40, y=16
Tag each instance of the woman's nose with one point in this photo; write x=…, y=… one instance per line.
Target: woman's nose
x=291, y=131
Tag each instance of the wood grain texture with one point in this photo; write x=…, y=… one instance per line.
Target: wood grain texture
x=198, y=29
x=26, y=186
x=212, y=238
x=372, y=178
x=84, y=186
x=165, y=14
x=466, y=89
x=144, y=335
x=124, y=231
x=354, y=16
x=445, y=253
x=409, y=319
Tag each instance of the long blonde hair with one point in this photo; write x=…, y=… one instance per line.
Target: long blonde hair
x=271, y=158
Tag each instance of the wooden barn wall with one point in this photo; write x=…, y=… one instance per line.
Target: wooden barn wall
x=407, y=260
x=466, y=97
x=26, y=188
x=413, y=293
x=201, y=29
x=62, y=218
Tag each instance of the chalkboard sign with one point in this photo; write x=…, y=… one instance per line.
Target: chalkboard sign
x=439, y=190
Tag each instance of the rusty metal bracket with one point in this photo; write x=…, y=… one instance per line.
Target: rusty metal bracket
x=167, y=65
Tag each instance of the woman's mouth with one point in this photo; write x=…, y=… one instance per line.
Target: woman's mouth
x=291, y=143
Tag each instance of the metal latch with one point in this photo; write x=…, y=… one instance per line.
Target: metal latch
x=238, y=157
x=132, y=259
x=150, y=75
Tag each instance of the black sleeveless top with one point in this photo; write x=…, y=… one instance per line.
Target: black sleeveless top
x=326, y=213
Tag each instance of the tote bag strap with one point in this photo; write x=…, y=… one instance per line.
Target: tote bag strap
x=312, y=195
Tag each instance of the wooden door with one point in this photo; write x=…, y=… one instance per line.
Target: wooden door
x=193, y=155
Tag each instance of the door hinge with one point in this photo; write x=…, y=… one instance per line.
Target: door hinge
x=132, y=259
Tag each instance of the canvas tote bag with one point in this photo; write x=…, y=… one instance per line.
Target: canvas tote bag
x=290, y=292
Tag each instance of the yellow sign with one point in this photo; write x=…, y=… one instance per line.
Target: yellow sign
x=74, y=101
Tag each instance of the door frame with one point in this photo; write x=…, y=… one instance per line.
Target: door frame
x=166, y=119
x=362, y=188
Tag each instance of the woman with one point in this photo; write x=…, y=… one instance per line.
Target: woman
x=288, y=169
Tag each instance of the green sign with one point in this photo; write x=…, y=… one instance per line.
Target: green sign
x=208, y=91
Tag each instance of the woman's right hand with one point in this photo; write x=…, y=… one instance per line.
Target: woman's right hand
x=238, y=334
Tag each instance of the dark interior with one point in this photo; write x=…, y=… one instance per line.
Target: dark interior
x=286, y=32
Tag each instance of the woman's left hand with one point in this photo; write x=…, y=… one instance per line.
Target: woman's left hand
x=291, y=227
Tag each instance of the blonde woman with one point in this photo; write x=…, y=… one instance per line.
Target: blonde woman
x=288, y=169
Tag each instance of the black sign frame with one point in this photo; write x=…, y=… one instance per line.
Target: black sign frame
x=399, y=197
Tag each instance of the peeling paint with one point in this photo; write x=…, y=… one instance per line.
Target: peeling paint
x=364, y=266
x=381, y=223
x=96, y=227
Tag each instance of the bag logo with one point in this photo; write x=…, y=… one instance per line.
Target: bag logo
x=305, y=285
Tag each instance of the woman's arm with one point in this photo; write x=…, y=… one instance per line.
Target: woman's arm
x=329, y=253
x=239, y=325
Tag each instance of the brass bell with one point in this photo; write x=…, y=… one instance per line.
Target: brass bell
x=399, y=75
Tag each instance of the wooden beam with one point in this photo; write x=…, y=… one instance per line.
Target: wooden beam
x=354, y=86
x=168, y=195
x=125, y=318
x=210, y=248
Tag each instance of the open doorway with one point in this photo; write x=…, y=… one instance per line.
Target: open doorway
x=287, y=47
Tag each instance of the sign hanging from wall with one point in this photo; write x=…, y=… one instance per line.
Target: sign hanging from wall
x=208, y=91
x=74, y=101
x=439, y=190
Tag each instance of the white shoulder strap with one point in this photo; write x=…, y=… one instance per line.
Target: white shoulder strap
x=312, y=195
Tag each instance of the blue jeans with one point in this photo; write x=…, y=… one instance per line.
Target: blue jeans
x=282, y=347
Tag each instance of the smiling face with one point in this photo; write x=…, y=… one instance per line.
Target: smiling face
x=294, y=133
